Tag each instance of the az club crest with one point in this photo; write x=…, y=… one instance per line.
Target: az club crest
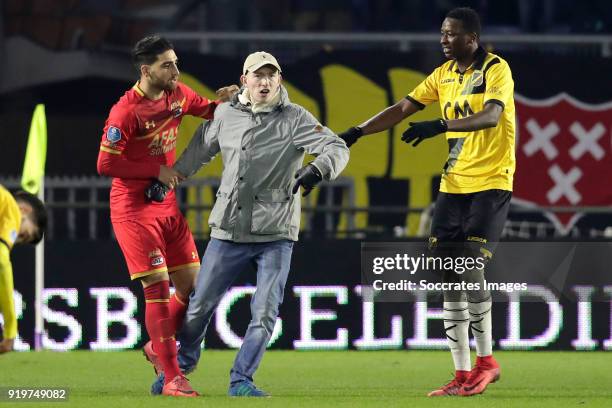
x=477, y=78
x=177, y=109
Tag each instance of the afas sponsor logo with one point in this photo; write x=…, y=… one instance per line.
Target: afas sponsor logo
x=163, y=142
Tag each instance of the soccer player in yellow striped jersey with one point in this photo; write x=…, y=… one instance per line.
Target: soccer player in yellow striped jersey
x=475, y=92
x=23, y=219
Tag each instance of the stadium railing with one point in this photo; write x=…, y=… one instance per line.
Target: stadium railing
x=292, y=45
x=79, y=209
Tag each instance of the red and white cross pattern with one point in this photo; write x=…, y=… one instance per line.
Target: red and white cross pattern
x=563, y=154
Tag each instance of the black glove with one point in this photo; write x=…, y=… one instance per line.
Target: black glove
x=350, y=136
x=419, y=131
x=307, y=177
x=156, y=191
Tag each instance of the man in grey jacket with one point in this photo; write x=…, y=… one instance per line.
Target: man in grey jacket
x=262, y=138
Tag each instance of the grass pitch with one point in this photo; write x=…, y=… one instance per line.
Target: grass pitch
x=317, y=379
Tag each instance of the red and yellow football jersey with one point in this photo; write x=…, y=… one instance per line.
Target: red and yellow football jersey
x=140, y=136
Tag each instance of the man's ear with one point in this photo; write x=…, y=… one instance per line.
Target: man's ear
x=473, y=38
x=243, y=79
x=144, y=70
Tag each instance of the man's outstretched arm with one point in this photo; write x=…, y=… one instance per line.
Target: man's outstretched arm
x=383, y=120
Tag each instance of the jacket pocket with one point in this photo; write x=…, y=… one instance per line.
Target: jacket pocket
x=221, y=212
x=271, y=212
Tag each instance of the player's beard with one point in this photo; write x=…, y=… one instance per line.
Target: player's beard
x=168, y=85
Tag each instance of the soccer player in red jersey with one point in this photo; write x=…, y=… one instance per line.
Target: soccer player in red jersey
x=139, y=145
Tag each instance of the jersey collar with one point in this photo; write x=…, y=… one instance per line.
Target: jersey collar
x=479, y=57
x=137, y=89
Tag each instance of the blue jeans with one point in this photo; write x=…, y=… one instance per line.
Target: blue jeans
x=223, y=262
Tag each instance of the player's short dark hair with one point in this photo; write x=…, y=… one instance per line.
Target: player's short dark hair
x=39, y=213
x=468, y=17
x=145, y=51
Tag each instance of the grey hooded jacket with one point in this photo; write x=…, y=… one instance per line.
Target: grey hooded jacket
x=261, y=153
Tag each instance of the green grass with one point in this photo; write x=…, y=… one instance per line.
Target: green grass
x=318, y=379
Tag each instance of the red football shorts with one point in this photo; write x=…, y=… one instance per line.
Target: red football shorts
x=153, y=245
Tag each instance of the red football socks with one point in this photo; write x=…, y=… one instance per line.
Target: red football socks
x=160, y=327
x=177, y=308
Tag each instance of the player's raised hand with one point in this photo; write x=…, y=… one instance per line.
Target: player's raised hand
x=226, y=92
x=419, y=131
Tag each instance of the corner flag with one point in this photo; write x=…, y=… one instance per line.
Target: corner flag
x=36, y=152
x=33, y=182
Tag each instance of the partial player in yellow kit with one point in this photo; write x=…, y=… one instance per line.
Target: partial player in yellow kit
x=23, y=219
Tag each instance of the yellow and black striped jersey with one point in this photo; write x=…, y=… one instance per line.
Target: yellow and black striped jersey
x=10, y=218
x=482, y=159
x=10, y=223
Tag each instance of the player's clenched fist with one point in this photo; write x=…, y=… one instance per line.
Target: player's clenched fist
x=167, y=180
x=419, y=131
x=156, y=191
x=307, y=177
